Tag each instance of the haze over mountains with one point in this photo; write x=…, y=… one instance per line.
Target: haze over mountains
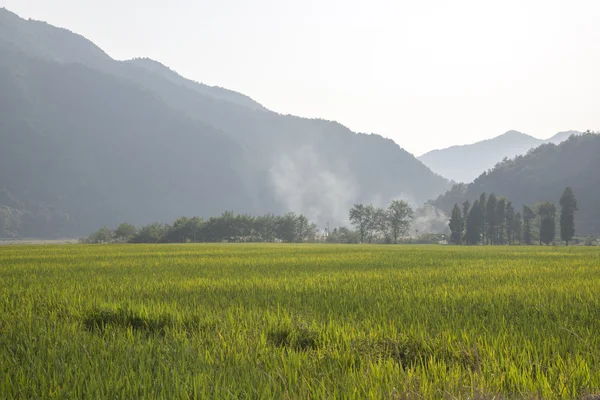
x=88, y=140
x=467, y=162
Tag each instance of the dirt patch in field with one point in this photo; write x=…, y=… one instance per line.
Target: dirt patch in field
x=98, y=320
x=409, y=352
x=299, y=338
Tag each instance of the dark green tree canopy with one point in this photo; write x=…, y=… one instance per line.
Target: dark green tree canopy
x=456, y=225
x=568, y=205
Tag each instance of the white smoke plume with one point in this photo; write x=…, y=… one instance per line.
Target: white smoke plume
x=429, y=219
x=306, y=185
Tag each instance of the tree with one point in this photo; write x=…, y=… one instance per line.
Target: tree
x=528, y=217
x=218, y=229
x=516, y=228
x=474, y=224
x=500, y=220
x=265, y=228
x=568, y=206
x=400, y=215
x=343, y=235
x=465, y=213
x=484, y=222
x=547, y=213
x=509, y=216
x=371, y=225
x=381, y=224
x=456, y=225
x=490, y=217
x=102, y=235
x=360, y=217
x=184, y=230
x=287, y=227
x=152, y=233
x=125, y=232
x=305, y=231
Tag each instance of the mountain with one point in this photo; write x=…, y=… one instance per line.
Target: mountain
x=561, y=137
x=542, y=175
x=465, y=163
x=215, y=92
x=88, y=140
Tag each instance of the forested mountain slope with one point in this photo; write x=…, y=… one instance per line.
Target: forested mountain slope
x=83, y=148
x=542, y=175
x=465, y=163
x=88, y=140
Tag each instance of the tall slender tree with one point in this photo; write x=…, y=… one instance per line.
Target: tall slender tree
x=528, y=217
x=474, y=224
x=517, y=228
x=490, y=217
x=568, y=206
x=509, y=217
x=466, y=207
x=547, y=213
x=484, y=222
x=456, y=225
x=500, y=220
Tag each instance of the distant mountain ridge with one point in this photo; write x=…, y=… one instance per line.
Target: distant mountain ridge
x=464, y=163
x=88, y=140
x=213, y=91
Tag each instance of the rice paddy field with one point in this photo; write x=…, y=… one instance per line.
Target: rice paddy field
x=277, y=321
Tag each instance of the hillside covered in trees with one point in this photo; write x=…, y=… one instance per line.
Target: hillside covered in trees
x=541, y=175
x=88, y=141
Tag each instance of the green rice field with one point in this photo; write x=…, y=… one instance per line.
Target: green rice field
x=275, y=321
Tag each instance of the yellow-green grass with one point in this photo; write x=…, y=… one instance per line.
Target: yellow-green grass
x=298, y=321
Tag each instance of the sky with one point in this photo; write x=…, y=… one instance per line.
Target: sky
x=428, y=74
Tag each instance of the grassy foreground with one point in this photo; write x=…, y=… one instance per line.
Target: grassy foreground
x=298, y=321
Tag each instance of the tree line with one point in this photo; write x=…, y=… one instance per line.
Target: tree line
x=493, y=220
x=372, y=225
x=228, y=227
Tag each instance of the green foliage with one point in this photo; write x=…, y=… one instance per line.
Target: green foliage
x=152, y=233
x=491, y=218
x=466, y=208
x=547, y=213
x=509, y=221
x=125, y=232
x=456, y=225
x=475, y=224
x=516, y=228
x=399, y=215
x=102, y=235
x=377, y=223
x=228, y=227
x=360, y=217
x=528, y=217
x=500, y=220
x=299, y=321
x=568, y=206
x=343, y=235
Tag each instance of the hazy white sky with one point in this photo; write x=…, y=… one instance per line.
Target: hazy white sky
x=428, y=74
